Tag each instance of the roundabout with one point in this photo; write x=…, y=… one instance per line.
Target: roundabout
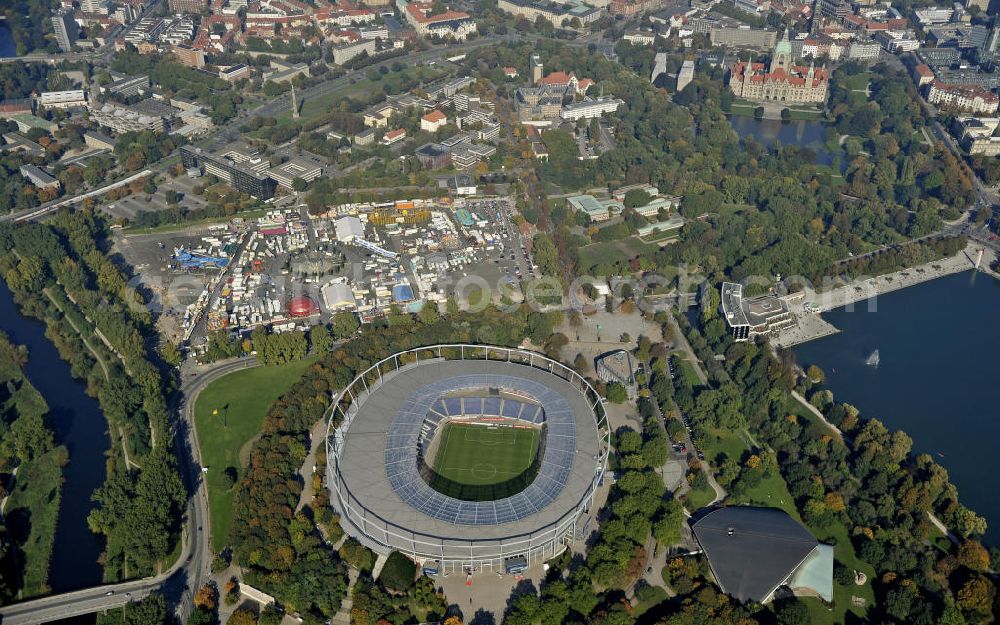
x=470, y=456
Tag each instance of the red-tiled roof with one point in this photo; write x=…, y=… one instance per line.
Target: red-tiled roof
x=435, y=116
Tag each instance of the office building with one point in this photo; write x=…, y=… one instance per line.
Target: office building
x=588, y=109
x=743, y=37
x=238, y=165
x=63, y=99
x=128, y=86
x=346, y=52
x=748, y=318
x=685, y=75
x=963, y=98
x=65, y=30
x=98, y=140
x=975, y=135
x=187, y=6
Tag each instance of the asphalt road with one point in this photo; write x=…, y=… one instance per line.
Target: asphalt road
x=182, y=580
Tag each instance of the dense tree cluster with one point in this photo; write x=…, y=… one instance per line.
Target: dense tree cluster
x=865, y=480
x=181, y=81
x=763, y=209
x=60, y=273
x=27, y=446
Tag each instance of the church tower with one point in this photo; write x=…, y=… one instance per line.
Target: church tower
x=782, y=57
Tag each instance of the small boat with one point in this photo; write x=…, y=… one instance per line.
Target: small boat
x=939, y=453
x=873, y=359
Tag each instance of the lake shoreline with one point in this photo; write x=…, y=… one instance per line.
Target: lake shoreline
x=811, y=325
x=933, y=381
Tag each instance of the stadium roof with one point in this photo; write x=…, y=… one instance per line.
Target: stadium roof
x=378, y=462
x=753, y=551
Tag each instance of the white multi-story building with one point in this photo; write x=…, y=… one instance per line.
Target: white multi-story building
x=965, y=98
x=123, y=120
x=590, y=108
x=865, y=50
x=346, y=52
x=449, y=24
x=556, y=13
x=63, y=99
x=976, y=134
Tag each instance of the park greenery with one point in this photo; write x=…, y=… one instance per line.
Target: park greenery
x=181, y=81
x=60, y=273
x=754, y=209
x=228, y=414
x=31, y=468
x=858, y=487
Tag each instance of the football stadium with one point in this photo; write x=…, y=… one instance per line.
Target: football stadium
x=467, y=457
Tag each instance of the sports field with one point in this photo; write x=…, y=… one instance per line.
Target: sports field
x=476, y=455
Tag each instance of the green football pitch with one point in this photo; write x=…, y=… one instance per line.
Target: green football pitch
x=477, y=455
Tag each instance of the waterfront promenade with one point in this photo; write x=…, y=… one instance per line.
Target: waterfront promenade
x=864, y=292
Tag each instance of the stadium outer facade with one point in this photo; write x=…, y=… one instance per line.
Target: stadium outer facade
x=370, y=449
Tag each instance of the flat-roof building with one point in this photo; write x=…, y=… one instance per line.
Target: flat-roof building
x=748, y=318
x=286, y=173
x=63, y=99
x=596, y=209
x=65, y=29
x=238, y=165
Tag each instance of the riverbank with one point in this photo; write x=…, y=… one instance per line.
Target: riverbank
x=30, y=510
x=811, y=326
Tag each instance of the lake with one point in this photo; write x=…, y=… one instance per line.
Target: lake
x=6, y=41
x=937, y=344
x=807, y=134
x=80, y=425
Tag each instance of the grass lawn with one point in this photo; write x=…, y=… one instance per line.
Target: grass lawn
x=479, y=456
x=649, y=597
x=696, y=499
x=242, y=399
x=610, y=252
x=661, y=238
x=859, y=82
x=314, y=108
x=843, y=551
x=687, y=370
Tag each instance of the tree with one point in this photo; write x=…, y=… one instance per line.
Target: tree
x=791, y=611
x=667, y=527
x=320, y=339
x=815, y=374
x=398, y=573
x=231, y=591
x=616, y=393
x=243, y=616
x=580, y=364
x=973, y=555
x=975, y=598
x=299, y=184
x=207, y=597
x=344, y=325
x=150, y=611
x=636, y=198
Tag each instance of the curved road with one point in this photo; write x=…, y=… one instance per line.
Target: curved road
x=181, y=581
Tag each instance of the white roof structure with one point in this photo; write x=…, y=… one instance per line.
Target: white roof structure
x=348, y=228
x=338, y=296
